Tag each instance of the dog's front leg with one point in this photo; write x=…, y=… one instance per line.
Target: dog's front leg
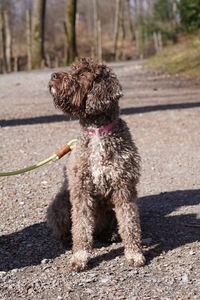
x=127, y=215
x=82, y=229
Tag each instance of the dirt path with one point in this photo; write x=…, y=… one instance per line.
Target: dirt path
x=163, y=113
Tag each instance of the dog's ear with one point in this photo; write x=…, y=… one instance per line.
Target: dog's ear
x=78, y=97
x=82, y=88
x=104, y=94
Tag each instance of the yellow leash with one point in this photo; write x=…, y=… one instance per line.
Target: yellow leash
x=67, y=148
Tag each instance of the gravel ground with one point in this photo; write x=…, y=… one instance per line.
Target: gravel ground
x=163, y=113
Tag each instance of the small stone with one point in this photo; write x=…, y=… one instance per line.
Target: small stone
x=2, y=274
x=46, y=267
x=10, y=287
x=192, y=252
x=104, y=280
x=30, y=290
x=122, y=279
x=44, y=261
x=92, y=274
x=81, y=284
x=44, y=182
x=185, y=278
x=59, y=298
x=89, y=291
x=132, y=298
x=88, y=280
x=133, y=272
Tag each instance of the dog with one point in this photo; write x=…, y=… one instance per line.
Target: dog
x=104, y=166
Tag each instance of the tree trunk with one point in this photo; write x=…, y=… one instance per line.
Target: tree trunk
x=7, y=41
x=37, y=36
x=2, y=45
x=140, y=29
x=158, y=44
x=136, y=7
x=160, y=41
x=71, y=30
x=140, y=42
x=122, y=33
x=28, y=39
x=48, y=60
x=174, y=9
x=130, y=20
x=65, y=43
x=16, y=64
x=95, y=28
x=141, y=8
x=116, y=27
x=99, y=41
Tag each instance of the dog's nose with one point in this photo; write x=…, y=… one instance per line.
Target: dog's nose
x=54, y=76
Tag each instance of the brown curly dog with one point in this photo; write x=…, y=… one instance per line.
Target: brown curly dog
x=104, y=165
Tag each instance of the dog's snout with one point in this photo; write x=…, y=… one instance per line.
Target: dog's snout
x=54, y=76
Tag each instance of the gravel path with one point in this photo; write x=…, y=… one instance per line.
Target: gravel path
x=163, y=113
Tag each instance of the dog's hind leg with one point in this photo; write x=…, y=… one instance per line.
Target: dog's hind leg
x=127, y=215
x=58, y=215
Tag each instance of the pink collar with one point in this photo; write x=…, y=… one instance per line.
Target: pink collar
x=98, y=131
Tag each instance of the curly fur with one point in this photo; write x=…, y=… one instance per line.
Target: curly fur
x=104, y=169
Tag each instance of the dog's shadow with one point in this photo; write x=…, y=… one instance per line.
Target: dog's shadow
x=164, y=226
x=28, y=247
x=162, y=220
x=170, y=220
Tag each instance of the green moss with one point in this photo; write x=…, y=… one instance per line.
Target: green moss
x=183, y=58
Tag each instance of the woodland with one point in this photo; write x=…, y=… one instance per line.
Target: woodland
x=36, y=34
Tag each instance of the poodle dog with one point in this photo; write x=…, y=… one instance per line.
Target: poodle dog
x=104, y=165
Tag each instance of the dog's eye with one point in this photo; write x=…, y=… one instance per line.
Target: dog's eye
x=54, y=76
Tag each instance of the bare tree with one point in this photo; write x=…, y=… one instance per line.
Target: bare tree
x=71, y=30
x=28, y=38
x=136, y=7
x=97, y=33
x=141, y=8
x=7, y=41
x=37, y=36
x=2, y=47
x=116, y=27
x=130, y=21
x=95, y=28
x=99, y=41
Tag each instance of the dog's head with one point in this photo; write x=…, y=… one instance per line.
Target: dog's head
x=88, y=88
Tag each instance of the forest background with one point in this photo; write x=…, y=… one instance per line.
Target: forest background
x=36, y=34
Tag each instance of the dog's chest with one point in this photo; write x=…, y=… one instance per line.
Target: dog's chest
x=101, y=167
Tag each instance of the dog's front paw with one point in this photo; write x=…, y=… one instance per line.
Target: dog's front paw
x=135, y=258
x=79, y=260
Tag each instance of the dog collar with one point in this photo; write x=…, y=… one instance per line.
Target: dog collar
x=98, y=131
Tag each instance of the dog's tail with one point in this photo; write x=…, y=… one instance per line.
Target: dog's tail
x=58, y=214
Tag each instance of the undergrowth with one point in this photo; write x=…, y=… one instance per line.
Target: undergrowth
x=182, y=58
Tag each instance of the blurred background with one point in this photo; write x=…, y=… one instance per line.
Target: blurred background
x=37, y=34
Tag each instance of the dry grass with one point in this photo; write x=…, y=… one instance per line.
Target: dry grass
x=183, y=58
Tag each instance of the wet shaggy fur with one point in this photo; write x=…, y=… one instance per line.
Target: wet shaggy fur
x=104, y=168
